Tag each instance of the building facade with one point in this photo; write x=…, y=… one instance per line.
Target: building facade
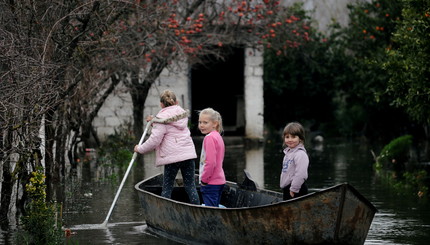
x=234, y=87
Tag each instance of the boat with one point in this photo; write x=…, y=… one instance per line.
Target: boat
x=251, y=215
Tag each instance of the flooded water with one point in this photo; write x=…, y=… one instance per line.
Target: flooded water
x=401, y=219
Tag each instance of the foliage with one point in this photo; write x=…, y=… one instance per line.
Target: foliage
x=298, y=85
x=60, y=60
x=117, y=149
x=71, y=56
x=362, y=45
x=40, y=223
x=417, y=180
x=394, y=155
x=390, y=165
x=335, y=83
x=408, y=61
x=413, y=182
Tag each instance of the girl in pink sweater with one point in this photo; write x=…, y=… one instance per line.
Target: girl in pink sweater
x=212, y=178
x=174, y=147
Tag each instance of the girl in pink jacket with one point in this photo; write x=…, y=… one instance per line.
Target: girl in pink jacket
x=174, y=147
x=212, y=178
x=296, y=161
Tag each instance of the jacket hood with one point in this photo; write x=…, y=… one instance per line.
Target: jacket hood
x=171, y=112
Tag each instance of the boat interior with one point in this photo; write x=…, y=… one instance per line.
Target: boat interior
x=234, y=195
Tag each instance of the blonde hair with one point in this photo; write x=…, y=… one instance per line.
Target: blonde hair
x=295, y=129
x=214, y=116
x=168, y=98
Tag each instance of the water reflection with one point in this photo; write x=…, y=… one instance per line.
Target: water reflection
x=399, y=220
x=89, y=192
x=255, y=164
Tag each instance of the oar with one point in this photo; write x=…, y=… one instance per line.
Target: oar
x=104, y=224
x=158, y=120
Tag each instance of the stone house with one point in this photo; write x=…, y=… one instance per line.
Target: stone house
x=233, y=87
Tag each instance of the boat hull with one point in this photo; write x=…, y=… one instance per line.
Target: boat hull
x=337, y=215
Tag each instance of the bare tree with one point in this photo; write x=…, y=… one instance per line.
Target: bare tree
x=40, y=74
x=59, y=60
x=152, y=36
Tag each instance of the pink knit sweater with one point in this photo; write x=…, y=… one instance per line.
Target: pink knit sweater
x=211, y=159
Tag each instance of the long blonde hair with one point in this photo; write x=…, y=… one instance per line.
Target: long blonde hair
x=214, y=116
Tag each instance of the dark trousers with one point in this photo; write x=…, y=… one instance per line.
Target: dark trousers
x=211, y=194
x=303, y=191
x=187, y=169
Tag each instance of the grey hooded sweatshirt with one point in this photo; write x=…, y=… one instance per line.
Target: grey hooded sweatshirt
x=294, y=168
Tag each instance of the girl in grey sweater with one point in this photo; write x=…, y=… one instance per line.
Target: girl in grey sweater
x=296, y=161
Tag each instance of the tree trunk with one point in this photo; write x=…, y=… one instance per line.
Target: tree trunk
x=139, y=93
x=49, y=149
x=6, y=185
x=139, y=97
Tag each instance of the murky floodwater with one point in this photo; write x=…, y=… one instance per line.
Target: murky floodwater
x=400, y=219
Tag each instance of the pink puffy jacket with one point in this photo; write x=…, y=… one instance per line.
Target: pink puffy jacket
x=172, y=142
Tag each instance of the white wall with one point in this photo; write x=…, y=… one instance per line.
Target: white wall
x=117, y=109
x=324, y=12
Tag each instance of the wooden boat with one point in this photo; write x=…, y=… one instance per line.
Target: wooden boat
x=336, y=215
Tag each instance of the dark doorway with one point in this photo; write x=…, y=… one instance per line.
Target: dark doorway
x=219, y=84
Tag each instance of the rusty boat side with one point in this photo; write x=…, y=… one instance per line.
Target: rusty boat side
x=336, y=215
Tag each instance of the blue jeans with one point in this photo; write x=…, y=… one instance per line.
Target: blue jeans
x=187, y=168
x=211, y=194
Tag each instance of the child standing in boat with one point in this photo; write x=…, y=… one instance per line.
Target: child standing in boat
x=296, y=161
x=174, y=147
x=212, y=178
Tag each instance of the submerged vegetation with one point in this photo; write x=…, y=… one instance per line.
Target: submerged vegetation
x=396, y=166
x=41, y=223
x=117, y=149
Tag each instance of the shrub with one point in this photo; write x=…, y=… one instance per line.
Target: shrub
x=395, y=154
x=40, y=223
x=416, y=181
x=117, y=150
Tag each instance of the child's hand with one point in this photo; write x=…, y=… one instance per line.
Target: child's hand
x=292, y=194
x=135, y=148
x=149, y=118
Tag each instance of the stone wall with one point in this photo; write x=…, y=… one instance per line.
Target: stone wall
x=117, y=109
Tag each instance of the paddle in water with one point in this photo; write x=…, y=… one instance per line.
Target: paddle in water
x=105, y=222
